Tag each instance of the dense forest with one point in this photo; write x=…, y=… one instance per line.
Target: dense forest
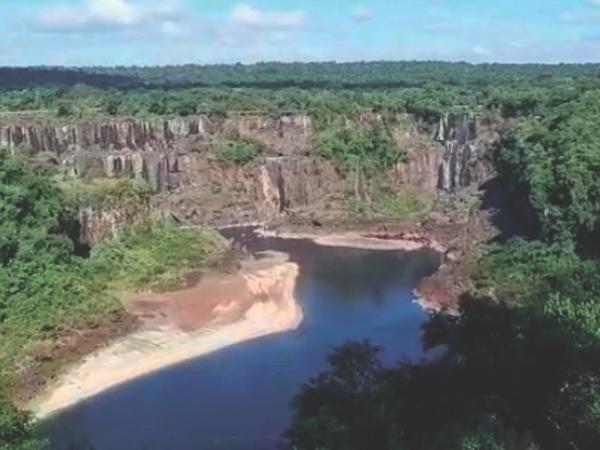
x=521, y=369
x=275, y=88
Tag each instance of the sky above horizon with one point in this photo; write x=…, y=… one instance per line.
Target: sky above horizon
x=148, y=32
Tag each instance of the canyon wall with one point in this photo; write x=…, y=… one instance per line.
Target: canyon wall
x=150, y=148
x=289, y=133
x=174, y=156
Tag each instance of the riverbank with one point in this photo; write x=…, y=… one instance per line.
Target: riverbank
x=177, y=327
x=408, y=241
x=457, y=240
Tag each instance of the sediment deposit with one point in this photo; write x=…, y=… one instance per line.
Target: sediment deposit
x=221, y=310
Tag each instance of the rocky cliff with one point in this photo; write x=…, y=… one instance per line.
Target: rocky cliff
x=457, y=135
x=218, y=193
x=289, y=133
x=174, y=156
x=150, y=148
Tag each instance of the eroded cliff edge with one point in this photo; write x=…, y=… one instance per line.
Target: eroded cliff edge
x=290, y=181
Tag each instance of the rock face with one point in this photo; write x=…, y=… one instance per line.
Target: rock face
x=291, y=134
x=150, y=148
x=457, y=134
x=219, y=193
x=97, y=225
x=173, y=156
x=448, y=162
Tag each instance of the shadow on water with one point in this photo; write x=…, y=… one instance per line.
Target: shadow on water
x=239, y=398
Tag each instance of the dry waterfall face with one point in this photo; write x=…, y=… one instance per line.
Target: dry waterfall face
x=290, y=179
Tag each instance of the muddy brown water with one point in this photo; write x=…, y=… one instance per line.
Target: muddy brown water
x=239, y=398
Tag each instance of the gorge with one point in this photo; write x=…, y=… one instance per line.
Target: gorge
x=329, y=256
x=290, y=178
x=289, y=186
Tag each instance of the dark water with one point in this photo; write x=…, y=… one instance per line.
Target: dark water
x=239, y=398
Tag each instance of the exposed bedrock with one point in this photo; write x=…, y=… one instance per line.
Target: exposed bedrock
x=99, y=224
x=151, y=149
x=174, y=157
x=214, y=192
x=459, y=165
x=291, y=134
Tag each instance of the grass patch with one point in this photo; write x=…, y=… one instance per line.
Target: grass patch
x=240, y=151
x=100, y=193
x=159, y=255
x=387, y=204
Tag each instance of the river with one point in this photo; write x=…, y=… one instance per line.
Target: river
x=239, y=398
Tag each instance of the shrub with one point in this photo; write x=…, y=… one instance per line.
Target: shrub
x=241, y=152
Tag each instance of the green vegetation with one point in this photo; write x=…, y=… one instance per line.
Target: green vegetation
x=554, y=161
x=364, y=153
x=321, y=89
x=158, y=255
x=15, y=429
x=48, y=286
x=377, y=74
x=521, y=364
x=101, y=193
x=388, y=204
x=367, y=151
x=240, y=151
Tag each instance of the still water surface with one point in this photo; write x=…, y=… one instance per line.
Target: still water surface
x=239, y=398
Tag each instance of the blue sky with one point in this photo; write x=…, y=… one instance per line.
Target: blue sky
x=144, y=32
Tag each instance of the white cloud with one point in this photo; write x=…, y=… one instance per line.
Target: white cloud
x=248, y=16
x=362, y=14
x=94, y=15
x=481, y=51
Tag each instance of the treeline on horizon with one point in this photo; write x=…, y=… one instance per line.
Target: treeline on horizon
x=324, y=90
x=376, y=74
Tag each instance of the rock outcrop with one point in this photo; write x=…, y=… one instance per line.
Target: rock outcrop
x=457, y=134
x=290, y=134
x=215, y=192
x=99, y=224
x=150, y=148
x=174, y=157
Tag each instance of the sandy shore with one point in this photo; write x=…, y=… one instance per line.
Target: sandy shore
x=265, y=306
x=407, y=241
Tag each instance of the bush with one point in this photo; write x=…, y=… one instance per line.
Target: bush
x=158, y=254
x=103, y=193
x=370, y=151
x=387, y=204
x=16, y=432
x=241, y=152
